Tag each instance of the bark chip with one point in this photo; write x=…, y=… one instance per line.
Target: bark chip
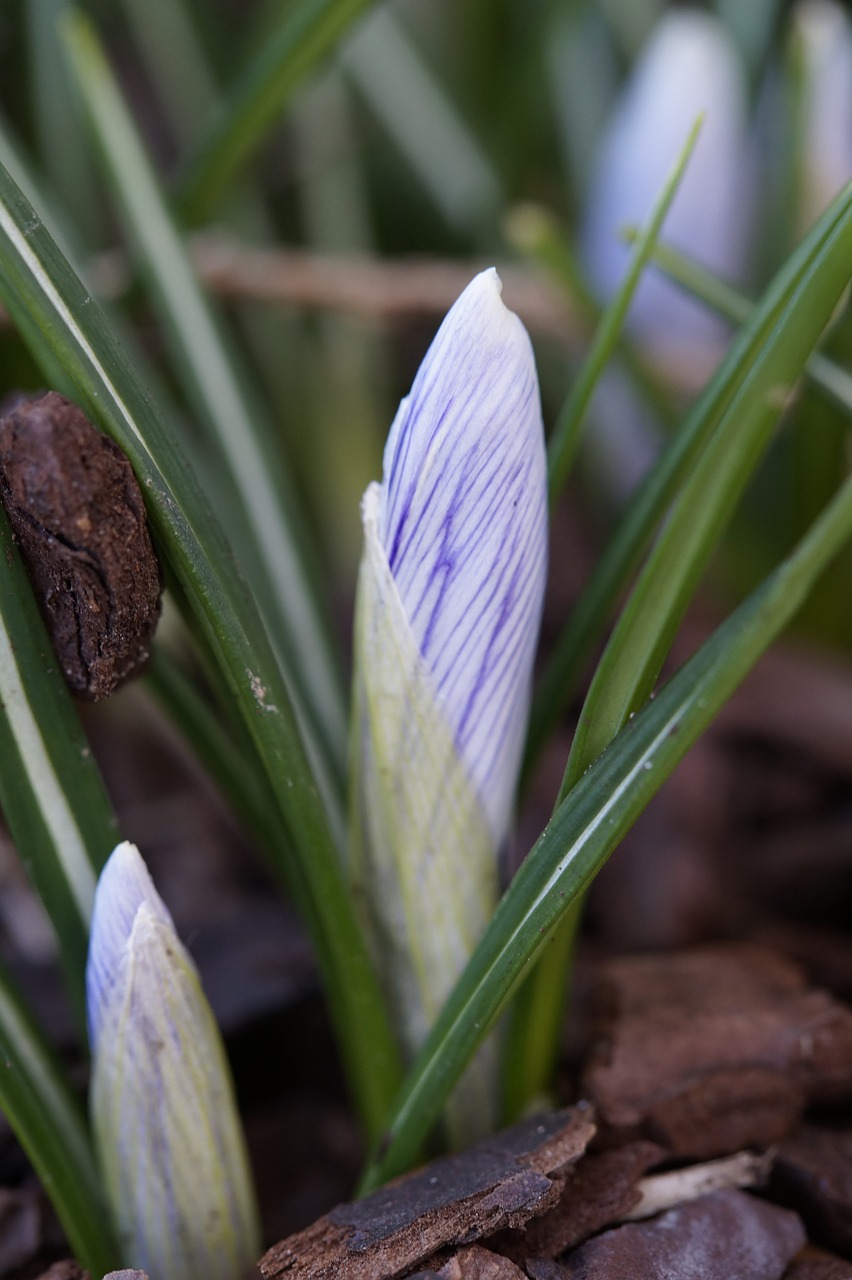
x=78, y=517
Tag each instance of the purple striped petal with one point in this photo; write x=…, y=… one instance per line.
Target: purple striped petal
x=464, y=527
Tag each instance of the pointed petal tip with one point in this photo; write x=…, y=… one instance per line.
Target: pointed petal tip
x=461, y=515
x=162, y=1103
x=124, y=885
x=484, y=294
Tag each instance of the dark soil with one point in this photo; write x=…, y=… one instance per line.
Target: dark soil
x=705, y=1086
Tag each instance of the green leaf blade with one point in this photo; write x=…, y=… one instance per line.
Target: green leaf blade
x=208, y=370
x=649, y=621
x=566, y=433
x=70, y=322
x=304, y=36
x=36, y=1100
x=51, y=791
x=588, y=825
x=647, y=509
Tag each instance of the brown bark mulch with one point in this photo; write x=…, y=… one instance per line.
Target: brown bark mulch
x=707, y=1062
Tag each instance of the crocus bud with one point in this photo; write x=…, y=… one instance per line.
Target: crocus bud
x=449, y=602
x=163, y=1110
x=689, y=67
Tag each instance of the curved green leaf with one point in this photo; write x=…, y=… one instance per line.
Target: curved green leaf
x=209, y=372
x=70, y=322
x=646, y=510
x=734, y=420
x=831, y=378
x=51, y=791
x=648, y=623
x=37, y=1101
x=305, y=34
x=566, y=433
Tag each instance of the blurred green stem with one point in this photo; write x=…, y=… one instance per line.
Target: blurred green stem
x=571, y=420
x=209, y=372
x=305, y=34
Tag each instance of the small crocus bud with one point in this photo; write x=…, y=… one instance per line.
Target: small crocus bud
x=449, y=602
x=689, y=67
x=822, y=35
x=163, y=1111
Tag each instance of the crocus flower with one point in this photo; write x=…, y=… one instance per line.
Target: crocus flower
x=449, y=602
x=689, y=66
x=163, y=1111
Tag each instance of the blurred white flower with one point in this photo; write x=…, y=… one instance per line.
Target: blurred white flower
x=688, y=67
x=449, y=602
x=163, y=1111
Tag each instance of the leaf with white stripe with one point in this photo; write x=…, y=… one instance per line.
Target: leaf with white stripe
x=37, y=1102
x=51, y=791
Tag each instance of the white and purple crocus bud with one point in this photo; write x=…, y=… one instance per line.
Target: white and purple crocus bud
x=688, y=67
x=163, y=1111
x=449, y=603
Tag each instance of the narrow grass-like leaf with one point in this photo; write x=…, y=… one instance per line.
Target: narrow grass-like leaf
x=60, y=135
x=37, y=1101
x=737, y=413
x=71, y=323
x=51, y=792
x=589, y=824
x=226, y=753
x=208, y=371
x=646, y=510
x=832, y=380
x=305, y=34
x=648, y=623
x=416, y=111
x=546, y=240
x=165, y=34
x=569, y=424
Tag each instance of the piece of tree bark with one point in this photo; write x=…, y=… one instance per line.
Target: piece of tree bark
x=816, y=1264
x=726, y=1234
x=473, y=1263
x=715, y=1049
x=599, y=1191
x=500, y=1183
x=78, y=516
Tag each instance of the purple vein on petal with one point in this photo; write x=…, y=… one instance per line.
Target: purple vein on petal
x=464, y=528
